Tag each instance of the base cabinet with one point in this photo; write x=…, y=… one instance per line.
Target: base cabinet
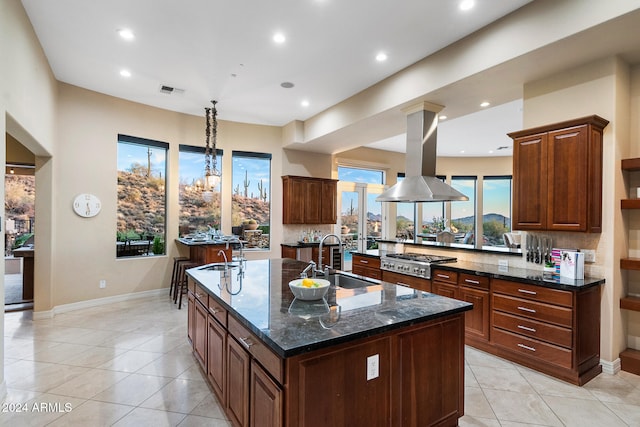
x=409, y=281
x=334, y=386
x=366, y=266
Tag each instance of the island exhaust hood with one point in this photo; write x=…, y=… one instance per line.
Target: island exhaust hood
x=420, y=183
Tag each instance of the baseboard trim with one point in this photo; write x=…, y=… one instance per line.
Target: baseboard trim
x=611, y=368
x=3, y=390
x=65, y=308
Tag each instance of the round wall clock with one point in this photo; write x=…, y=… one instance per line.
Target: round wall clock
x=86, y=205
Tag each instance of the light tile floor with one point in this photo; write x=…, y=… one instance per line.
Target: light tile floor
x=129, y=364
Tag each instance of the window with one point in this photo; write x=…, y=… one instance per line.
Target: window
x=463, y=214
x=366, y=176
x=433, y=215
x=496, y=209
x=405, y=217
x=142, y=169
x=251, y=199
x=196, y=214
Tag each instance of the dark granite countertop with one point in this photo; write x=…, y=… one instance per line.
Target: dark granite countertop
x=201, y=242
x=260, y=298
x=522, y=275
x=308, y=244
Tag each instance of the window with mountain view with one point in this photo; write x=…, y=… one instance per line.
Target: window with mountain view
x=196, y=213
x=463, y=214
x=251, y=198
x=141, y=207
x=496, y=209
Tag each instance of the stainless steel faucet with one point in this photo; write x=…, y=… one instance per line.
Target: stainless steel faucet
x=320, y=266
x=237, y=240
x=226, y=261
x=312, y=267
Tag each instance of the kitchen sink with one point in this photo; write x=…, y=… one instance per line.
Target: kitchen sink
x=219, y=267
x=349, y=282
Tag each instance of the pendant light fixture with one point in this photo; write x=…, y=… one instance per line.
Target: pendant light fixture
x=211, y=173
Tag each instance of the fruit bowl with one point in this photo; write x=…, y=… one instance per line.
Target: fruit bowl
x=309, y=289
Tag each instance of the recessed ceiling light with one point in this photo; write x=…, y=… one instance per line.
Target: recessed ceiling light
x=287, y=85
x=279, y=38
x=485, y=104
x=442, y=117
x=304, y=103
x=125, y=73
x=461, y=151
x=126, y=34
x=466, y=4
x=381, y=56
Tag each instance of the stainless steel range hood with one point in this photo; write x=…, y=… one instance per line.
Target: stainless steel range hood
x=420, y=183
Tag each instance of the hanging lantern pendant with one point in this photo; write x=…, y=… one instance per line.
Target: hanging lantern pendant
x=211, y=173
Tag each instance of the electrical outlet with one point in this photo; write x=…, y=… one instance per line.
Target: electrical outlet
x=373, y=366
x=589, y=255
x=103, y=284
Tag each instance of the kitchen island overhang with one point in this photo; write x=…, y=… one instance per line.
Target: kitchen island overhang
x=395, y=348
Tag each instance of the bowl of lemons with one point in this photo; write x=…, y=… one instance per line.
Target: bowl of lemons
x=309, y=289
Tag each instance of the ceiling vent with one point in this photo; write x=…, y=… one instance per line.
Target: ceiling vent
x=168, y=90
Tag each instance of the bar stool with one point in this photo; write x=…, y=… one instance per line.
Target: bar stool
x=174, y=274
x=181, y=287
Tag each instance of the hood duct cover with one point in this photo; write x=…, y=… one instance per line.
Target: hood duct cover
x=421, y=183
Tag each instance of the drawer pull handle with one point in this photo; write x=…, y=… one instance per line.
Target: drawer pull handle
x=245, y=342
x=528, y=310
x=403, y=284
x=444, y=276
x=475, y=282
x=214, y=310
x=364, y=261
x=526, y=328
x=528, y=292
x=526, y=347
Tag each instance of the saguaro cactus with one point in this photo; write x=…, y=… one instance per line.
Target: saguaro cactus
x=246, y=184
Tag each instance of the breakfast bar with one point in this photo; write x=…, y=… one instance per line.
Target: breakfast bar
x=370, y=353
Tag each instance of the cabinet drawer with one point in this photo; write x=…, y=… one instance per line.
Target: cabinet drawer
x=445, y=276
x=367, y=272
x=409, y=281
x=549, y=353
x=533, y=310
x=533, y=292
x=532, y=328
x=217, y=311
x=481, y=282
x=201, y=295
x=269, y=360
x=369, y=262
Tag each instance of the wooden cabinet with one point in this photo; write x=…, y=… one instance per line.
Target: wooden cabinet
x=418, y=283
x=554, y=331
x=289, y=252
x=309, y=200
x=557, y=176
x=216, y=358
x=475, y=289
x=366, y=266
x=420, y=380
x=444, y=283
x=199, y=338
x=266, y=398
x=238, y=368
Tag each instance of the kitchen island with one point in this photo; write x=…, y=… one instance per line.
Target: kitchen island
x=379, y=355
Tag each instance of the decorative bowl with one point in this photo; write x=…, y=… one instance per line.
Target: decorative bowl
x=317, y=291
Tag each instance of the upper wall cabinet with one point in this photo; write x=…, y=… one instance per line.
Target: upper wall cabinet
x=557, y=176
x=309, y=200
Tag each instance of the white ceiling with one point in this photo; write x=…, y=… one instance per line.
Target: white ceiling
x=224, y=50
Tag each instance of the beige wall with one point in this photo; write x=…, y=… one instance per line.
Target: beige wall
x=600, y=88
x=85, y=162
